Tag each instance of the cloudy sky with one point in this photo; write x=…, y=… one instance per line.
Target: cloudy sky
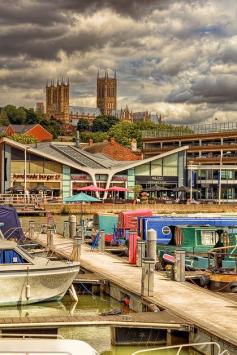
x=177, y=58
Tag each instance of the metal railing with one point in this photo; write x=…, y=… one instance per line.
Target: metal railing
x=180, y=348
x=178, y=130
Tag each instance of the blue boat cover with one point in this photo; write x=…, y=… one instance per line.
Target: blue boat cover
x=12, y=227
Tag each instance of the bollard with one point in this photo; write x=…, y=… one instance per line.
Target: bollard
x=50, y=238
x=31, y=229
x=147, y=281
x=179, y=268
x=72, y=226
x=102, y=240
x=65, y=228
x=141, y=250
x=132, y=256
x=151, y=244
x=76, y=251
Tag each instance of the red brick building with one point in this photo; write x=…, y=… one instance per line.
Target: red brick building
x=35, y=130
x=113, y=150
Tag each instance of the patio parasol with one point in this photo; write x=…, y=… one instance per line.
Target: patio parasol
x=117, y=189
x=156, y=189
x=16, y=189
x=81, y=197
x=39, y=188
x=92, y=188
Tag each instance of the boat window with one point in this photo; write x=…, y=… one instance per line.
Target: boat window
x=10, y=256
x=209, y=237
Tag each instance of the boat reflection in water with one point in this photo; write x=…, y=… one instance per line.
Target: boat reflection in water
x=25, y=279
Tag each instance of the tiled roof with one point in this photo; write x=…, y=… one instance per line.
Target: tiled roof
x=79, y=156
x=22, y=128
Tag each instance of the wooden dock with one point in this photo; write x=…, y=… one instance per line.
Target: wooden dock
x=159, y=320
x=206, y=310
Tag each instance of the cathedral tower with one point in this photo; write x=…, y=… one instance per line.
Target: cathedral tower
x=57, y=100
x=107, y=94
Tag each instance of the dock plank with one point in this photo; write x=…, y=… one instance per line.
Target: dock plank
x=206, y=310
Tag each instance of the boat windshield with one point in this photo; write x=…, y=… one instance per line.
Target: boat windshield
x=11, y=256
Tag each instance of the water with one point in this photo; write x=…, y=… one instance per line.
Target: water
x=98, y=337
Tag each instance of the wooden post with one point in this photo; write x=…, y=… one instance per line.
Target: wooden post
x=147, y=282
x=31, y=229
x=50, y=238
x=151, y=244
x=179, y=269
x=76, y=252
x=141, y=248
x=102, y=241
x=72, y=226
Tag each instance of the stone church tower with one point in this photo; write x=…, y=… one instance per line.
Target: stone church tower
x=57, y=100
x=107, y=94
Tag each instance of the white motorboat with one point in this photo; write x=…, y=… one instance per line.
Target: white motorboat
x=45, y=346
x=25, y=279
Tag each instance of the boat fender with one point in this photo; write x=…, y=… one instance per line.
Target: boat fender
x=233, y=287
x=73, y=293
x=28, y=292
x=204, y=280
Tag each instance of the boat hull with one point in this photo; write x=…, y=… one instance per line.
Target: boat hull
x=35, y=285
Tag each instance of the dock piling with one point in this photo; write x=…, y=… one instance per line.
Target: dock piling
x=50, y=238
x=31, y=229
x=147, y=282
x=72, y=226
x=102, y=241
x=151, y=244
x=141, y=249
x=76, y=251
x=179, y=269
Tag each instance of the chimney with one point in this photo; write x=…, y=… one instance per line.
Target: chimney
x=90, y=142
x=78, y=139
x=134, y=145
x=112, y=141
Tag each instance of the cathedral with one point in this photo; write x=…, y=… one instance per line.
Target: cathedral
x=57, y=102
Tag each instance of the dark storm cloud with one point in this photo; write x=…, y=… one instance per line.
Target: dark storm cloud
x=209, y=89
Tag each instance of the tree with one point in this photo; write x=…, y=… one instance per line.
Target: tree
x=124, y=131
x=23, y=138
x=83, y=125
x=96, y=136
x=104, y=123
x=15, y=115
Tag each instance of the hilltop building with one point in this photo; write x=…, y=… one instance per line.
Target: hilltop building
x=57, y=100
x=32, y=130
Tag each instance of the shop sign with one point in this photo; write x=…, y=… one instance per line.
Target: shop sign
x=148, y=179
x=119, y=178
x=37, y=176
x=81, y=177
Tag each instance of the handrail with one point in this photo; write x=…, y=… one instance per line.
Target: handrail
x=180, y=347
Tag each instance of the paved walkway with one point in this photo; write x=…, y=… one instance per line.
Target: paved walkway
x=211, y=312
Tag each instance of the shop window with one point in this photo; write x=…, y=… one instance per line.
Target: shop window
x=171, y=160
x=170, y=171
x=36, y=167
x=143, y=170
x=52, y=167
x=156, y=170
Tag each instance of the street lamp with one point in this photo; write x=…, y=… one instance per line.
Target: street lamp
x=191, y=179
x=220, y=172
x=25, y=150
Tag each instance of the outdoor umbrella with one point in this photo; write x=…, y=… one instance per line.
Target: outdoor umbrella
x=181, y=189
x=117, y=189
x=81, y=197
x=156, y=189
x=92, y=188
x=16, y=189
x=39, y=188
